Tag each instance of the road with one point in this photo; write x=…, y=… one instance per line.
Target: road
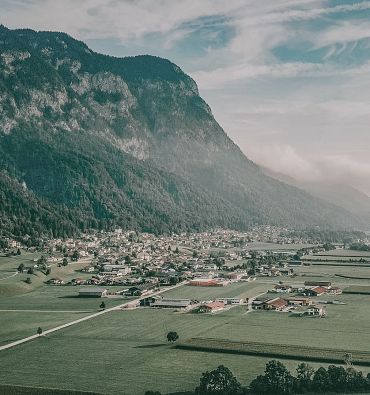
x=88, y=317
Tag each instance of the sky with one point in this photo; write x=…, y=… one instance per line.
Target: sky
x=288, y=80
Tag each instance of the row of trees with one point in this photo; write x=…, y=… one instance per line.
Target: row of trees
x=278, y=380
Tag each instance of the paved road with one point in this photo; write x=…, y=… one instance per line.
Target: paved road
x=88, y=317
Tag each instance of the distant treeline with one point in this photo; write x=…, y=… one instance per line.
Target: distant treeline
x=278, y=380
x=359, y=247
x=326, y=236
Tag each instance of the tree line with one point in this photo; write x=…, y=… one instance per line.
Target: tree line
x=278, y=380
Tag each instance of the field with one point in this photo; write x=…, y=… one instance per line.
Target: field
x=25, y=307
x=236, y=290
x=126, y=352
x=274, y=350
x=121, y=353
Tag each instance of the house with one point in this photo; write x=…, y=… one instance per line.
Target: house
x=77, y=281
x=315, y=291
x=92, y=292
x=277, y=304
x=211, y=307
x=235, y=276
x=316, y=311
x=55, y=281
x=121, y=269
x=141, y=289
x=283, y=288
x=299, y=301
x=334, y=291
x=172, y=303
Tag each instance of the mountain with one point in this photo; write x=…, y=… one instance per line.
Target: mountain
x=99, y=141
x=346, y=196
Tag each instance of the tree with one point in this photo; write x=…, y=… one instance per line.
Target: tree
x=355, y=381
x=31, y=270
x=152, y=393
x=173, y=280
x=220, y=381
x=172, y=336
x=19, y=252
x=128, y=260
x=41, y=262
x=304, y=376
x=253, y=266
x=177, y=251
x=65, y=262
x=39, y=331
x=28, y=280
x=337, y=377
x=75, y=256
x=320, y=381
x=102, y=305
x=277, y=380
x=21, y=268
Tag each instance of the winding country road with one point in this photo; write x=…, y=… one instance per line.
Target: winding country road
x=89, y=317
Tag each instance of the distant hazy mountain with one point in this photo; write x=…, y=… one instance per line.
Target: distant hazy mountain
x=341, y=195
x=102, y=141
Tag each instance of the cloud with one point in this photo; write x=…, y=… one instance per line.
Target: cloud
x=341, y=169
x=342, y=33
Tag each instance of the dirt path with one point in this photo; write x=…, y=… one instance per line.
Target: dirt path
x=12, y=275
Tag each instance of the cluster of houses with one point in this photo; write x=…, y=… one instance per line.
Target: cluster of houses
x=195, y=306
x=301, y=298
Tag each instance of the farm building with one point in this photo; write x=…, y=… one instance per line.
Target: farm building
x=211, y=307
x=148, y=301
x=92, y=292
x=230, y=300
x=206, y=282
x=317, y=283
x=315, y=291
x=173, y=303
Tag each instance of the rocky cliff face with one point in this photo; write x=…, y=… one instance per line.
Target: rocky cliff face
x=130, y=142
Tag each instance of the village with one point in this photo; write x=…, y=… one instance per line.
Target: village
x=128, y=265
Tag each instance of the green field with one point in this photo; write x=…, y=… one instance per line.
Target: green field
x=25, y=307
x=126, y=352
x=235, y=290
x=273, y=350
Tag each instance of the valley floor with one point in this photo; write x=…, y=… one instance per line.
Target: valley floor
x=126, y=352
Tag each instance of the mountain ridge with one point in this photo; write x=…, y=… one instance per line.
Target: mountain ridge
x=129, y=142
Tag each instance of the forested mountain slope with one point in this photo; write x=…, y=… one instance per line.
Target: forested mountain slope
x=102, y=141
